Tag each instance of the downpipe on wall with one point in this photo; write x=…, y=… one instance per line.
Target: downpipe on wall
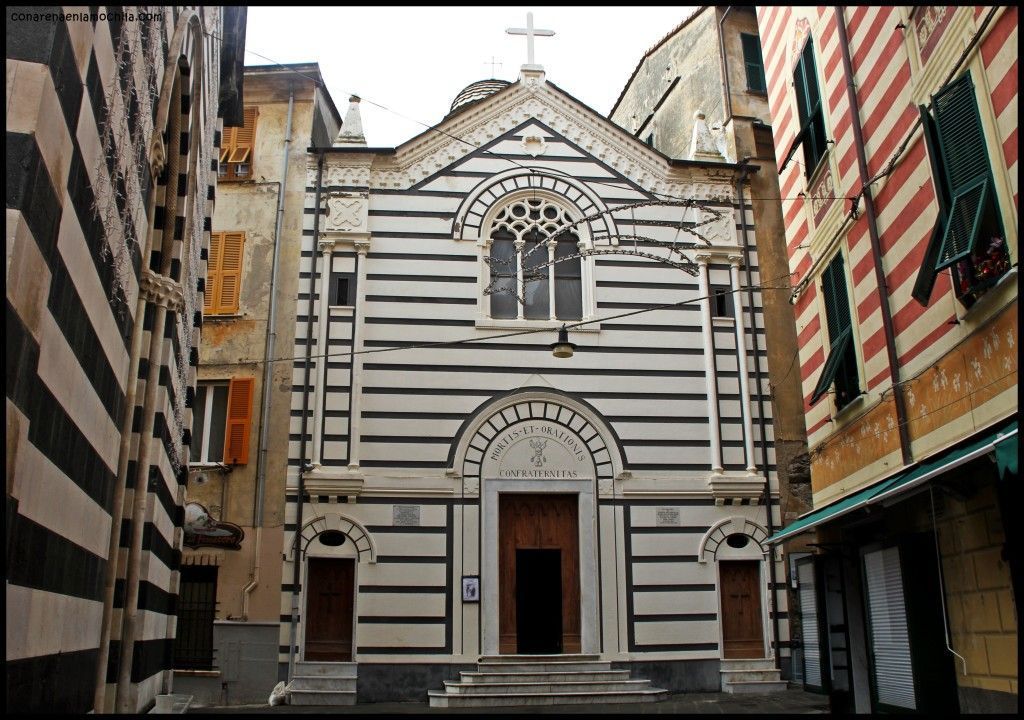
x=268, y=358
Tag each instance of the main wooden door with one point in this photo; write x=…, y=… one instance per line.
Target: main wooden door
x=539, y=574
x=740, y=583
x=329, y=605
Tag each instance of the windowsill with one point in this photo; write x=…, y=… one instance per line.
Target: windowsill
x=516, y=324
x=197, y=673
x=222, y=316
x=851, y=407
x=209, y=466
x=342, y=310
x=757, y=93
x=722, y=320
x=819, y=168
x=983, y=303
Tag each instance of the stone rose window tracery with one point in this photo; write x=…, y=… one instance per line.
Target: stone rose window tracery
x=536, y=271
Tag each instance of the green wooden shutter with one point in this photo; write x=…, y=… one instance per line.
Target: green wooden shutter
x=965, y=157
x=925, y=282
x=753, y=63
x=809, y=110
x=960, y=134
x=841, y=364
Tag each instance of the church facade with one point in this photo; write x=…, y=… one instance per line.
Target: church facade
x=455, y=490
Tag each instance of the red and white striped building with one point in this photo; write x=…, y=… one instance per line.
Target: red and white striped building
x=896, y=140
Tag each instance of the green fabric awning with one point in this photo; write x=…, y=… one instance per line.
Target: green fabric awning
x=1003, y=441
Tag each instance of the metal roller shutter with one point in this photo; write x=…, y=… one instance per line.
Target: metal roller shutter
x=887, y=619
x=809, y=624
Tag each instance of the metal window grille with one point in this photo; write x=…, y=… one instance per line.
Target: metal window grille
x=197, y=608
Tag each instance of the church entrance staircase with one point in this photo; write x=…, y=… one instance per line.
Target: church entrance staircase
x=527, y=680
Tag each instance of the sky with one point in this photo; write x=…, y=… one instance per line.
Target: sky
x=415, y=60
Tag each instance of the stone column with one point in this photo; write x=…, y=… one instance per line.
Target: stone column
x=358, y=335
x=326, y=248
x=520, y=286
x=741, y=360
x=551, y=280
x=714, y=426
x=586, y=290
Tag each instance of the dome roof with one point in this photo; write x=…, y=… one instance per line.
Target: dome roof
x=476, y=92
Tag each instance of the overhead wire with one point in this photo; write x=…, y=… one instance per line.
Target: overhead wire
x=514, y=333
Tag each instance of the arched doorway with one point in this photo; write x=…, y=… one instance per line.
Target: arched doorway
x=332, y=546
x=537, y=457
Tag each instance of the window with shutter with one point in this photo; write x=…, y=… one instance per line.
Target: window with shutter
x=968, y=236
x=753, y=63
x=239, y=418
x=840, y=367
x=224, y=273
x=809, y=111
x=209, y=413
x=237, y=150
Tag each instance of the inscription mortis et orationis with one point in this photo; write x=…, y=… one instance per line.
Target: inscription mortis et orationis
x=538, y=450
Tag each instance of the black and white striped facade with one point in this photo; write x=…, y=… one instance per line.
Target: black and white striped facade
x=380, y=431
x=112, y=114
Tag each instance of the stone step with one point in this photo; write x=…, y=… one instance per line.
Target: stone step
x=744, y=675
x=546, y=666
x=443, y=700
x=322, y=682
x=553, y=676
x=748, y=664
x=332, y=669
x=571, y=657
x=545, y=687
x=322, y=697
x=755, y=687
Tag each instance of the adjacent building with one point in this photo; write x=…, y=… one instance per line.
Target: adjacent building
x=455, y=491
x=111, y=158
x=700, y=93
x=897, y=128
x=228, y=615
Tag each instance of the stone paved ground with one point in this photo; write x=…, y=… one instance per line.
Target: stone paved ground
x=791, y=702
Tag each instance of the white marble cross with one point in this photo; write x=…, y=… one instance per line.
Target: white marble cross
x=530, y=32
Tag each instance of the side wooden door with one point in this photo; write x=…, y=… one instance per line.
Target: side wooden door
x=329, y=605
x=742, y=634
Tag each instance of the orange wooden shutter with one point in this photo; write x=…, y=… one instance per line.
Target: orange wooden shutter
x=213, y=273
x=236, y=435
x=245, y=138
x=230, y=273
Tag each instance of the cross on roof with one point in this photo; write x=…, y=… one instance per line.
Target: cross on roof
x=492, y=62
x=530, y=32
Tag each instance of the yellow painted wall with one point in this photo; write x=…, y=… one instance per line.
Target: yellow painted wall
x=979, y=595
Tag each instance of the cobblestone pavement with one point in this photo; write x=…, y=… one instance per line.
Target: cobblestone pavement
x=791, y=702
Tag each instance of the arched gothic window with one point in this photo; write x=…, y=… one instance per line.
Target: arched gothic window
x=532, y=257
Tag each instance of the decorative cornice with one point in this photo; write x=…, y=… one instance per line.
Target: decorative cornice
x=431, y=152
x=161, y=290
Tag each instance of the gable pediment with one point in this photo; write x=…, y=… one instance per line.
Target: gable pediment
x=540, y=110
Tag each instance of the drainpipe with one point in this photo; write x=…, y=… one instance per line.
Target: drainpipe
x=268, y=358
x=725, y=68
x=876, y=248
x=758, y=375
x=297, y=563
